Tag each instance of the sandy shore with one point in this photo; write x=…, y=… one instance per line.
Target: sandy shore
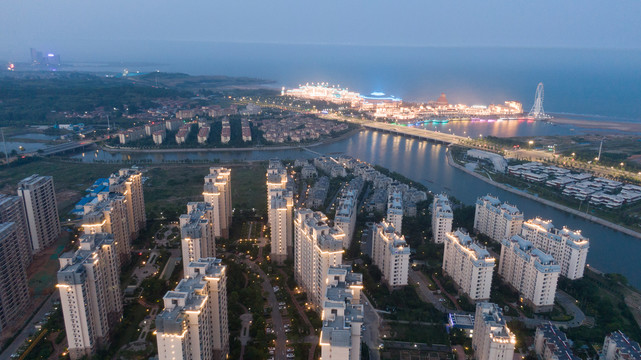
x=595, y=124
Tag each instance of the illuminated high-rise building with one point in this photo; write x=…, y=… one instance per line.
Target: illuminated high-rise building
x=193, y=324
x=317, y=247
x=128, y=182
x=217, y=193
x=14, y=289
x=39, y=199
x=197, y=233
x=90, y=294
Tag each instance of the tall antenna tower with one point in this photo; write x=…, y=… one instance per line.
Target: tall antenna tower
x=537, y=109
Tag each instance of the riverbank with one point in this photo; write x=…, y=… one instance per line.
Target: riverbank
x=269, y=148
x=592, y=218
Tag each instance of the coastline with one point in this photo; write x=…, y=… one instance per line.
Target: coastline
x=604, y=125
x=285, y=147
x=595, y=219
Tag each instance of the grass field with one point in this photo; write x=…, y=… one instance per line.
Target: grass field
x=169, y=188
x=70, y=179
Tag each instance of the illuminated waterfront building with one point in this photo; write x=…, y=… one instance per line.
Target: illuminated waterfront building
x=496, y=220
x=492, y=339
x=90, y=295
x=217, y=193
x=342, y=315
x=568, y=247
x=469, y=265
x=532, y=272
x=442, y=218
x=317, y=247
x=39, y=201
x=193, y=324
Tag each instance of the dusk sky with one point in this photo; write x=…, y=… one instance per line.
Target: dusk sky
x=66, y=24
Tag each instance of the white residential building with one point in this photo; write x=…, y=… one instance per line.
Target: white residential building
x=618, y=346
x=395, y=210
x=12, y=211
x=442, y=218
x=217, y=193
x=317, y=247
x=39, y=200
x=391, y=254
x=492, y=339
x=128, y=182
x=345, y=217
x=14, y=289
x=568, y=247
x=469, y=265
x=108, y=214
x=550, y=343
x=281, y=223
x=159, y=137
x=496, y=220
x=193, y=324
x=342, y=315
x=532, y=272
x=197, y=238
x=277, y=178
x=90, y=295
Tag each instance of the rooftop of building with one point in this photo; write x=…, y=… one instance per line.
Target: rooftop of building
x=33, y=180
x=557, y=342
x=477, y=251
x=625, y=345
x=492, y=316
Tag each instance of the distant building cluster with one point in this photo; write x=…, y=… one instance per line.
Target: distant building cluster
x=383, y=106
x=298, y=128
x=157, y=130
x=581, y=186
x=383, y=187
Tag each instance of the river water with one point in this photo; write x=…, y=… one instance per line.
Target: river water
x=610, y=250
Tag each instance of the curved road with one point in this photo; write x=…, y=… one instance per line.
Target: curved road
x=566, y=301
x=277, y=318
